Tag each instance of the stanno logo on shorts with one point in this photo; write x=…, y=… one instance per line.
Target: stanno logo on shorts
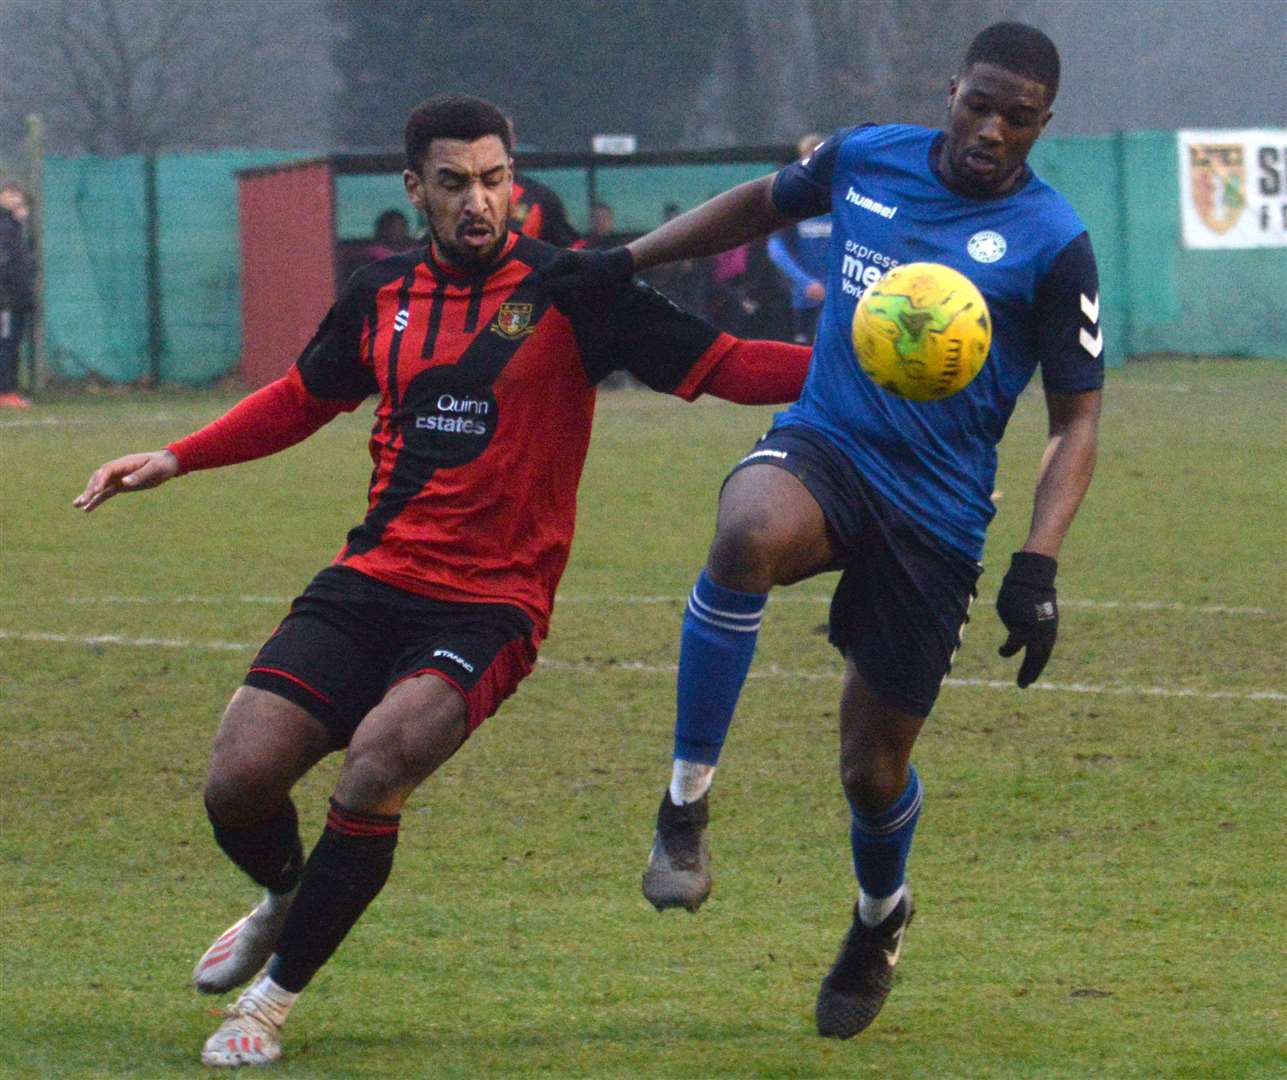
x=447, y=654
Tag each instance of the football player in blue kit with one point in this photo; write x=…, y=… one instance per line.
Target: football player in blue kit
x=897, y=494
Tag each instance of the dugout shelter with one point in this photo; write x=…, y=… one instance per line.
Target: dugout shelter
x=301, y=221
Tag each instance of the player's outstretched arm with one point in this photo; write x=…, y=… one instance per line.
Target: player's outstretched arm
x=271, y=419
x=1026, y=602
x=133, y=472
x=734, y=217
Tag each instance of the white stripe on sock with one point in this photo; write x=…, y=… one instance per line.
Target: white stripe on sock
x=898, y=822
x=722, y=619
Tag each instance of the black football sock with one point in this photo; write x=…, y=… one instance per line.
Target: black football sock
x=269, y=851
x=345, y=872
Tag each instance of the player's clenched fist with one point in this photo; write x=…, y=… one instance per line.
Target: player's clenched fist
x=133, y=472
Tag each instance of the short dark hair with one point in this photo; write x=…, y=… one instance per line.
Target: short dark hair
x=452, y=116
x=1019, y=48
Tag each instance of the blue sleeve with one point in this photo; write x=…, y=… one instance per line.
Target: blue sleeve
x=803, y=188
x=1070, y=338
x=781, y=257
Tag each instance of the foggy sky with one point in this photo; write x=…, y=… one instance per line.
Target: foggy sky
x=1128, y=65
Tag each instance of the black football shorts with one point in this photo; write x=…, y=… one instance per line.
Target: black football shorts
x=903, y=597
x=349, y=638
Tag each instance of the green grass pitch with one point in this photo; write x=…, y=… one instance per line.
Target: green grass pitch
x=1099, y=868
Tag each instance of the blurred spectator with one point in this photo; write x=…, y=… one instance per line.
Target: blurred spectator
x=392, y=235
x=800, y=252
x=603, y=227
x=537, y=211
x=744, y=294
x=17, y=289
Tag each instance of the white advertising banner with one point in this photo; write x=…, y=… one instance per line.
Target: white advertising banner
x=1233, y=188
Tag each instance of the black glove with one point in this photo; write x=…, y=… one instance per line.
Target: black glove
x=580, y=271
x=1026, y=604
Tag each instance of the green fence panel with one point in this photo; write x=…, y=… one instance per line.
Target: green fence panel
x=95, y=252
x=95, y=302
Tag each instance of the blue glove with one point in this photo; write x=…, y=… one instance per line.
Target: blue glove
x=1026, y=604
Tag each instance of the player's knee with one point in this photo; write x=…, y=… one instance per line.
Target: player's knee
x=873, y=784
x=746, y=552
x=236, y=797
x=376, y=773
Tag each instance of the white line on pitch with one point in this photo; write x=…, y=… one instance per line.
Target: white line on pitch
x=677, y=599
x=67, y=421
x=121, y=639
x=771, y=671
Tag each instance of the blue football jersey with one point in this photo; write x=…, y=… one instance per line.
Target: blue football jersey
x=1029, y=254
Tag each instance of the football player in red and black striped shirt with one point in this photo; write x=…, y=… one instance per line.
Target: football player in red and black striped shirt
x=432, y=612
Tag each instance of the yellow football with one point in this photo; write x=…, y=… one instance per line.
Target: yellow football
x=922, y=331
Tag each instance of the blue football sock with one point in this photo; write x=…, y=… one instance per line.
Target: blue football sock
x=715, y=650
x=881, y=843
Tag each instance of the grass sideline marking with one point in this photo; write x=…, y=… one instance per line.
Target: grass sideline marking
x=61, y=421
x=772, y=671
x=677, y=599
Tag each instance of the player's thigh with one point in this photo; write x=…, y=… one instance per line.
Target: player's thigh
x=418, y=725
x=264, y=745
x=770, y=530
x=457, y=668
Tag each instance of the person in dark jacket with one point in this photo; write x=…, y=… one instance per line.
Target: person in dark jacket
x=17, y=289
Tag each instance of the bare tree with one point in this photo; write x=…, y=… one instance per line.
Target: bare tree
x=132, y=76
x=819, y=64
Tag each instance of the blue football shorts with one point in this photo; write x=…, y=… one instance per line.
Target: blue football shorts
x=904, y=597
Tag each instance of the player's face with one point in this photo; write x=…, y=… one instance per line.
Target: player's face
x=993, y=118
x=463, y=190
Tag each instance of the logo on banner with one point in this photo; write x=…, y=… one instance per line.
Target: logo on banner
x=1218, y=183
x=512, y=321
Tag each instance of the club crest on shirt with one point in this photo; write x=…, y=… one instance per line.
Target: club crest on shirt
x=512, y=321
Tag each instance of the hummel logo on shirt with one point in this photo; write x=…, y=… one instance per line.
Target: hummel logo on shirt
x=863, y=202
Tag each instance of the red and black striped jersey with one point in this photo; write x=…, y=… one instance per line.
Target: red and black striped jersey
x=486, y=397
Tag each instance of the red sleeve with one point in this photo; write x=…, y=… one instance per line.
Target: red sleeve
x=756, y=372
x=280, y=415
